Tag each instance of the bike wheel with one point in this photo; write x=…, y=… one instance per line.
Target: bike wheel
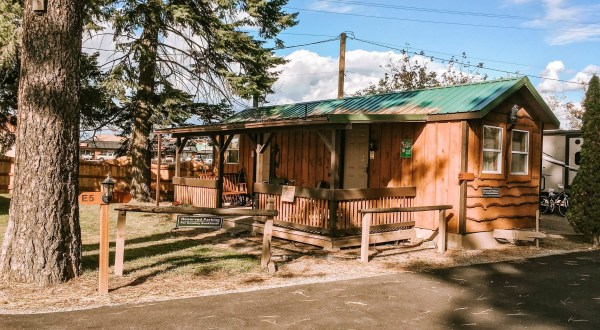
x=544, y=204
x=563, y=207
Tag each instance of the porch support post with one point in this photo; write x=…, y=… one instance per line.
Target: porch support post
x=177, y=157
x=464, y=156
x=222, y=143
x=335, y=179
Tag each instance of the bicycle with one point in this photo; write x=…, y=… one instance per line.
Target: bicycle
x=551, y=201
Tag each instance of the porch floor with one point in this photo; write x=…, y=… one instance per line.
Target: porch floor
x=326, y=242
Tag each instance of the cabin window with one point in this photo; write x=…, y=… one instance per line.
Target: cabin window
x=492, y=149
x=232, y=155
x=519, y=159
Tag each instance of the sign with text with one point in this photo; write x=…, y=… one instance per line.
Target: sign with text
x=406, y=148
x=199, y=221
x=93, y=197
x=288, y=193
x=490, y=192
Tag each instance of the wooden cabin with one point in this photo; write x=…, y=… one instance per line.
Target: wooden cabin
x=476, y=147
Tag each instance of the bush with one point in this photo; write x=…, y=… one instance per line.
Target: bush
x=584, y=211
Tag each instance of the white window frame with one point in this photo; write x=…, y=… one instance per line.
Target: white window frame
x=229, y=149
x=526, y=153
x=499, y=171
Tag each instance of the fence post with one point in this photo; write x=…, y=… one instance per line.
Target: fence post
x=442, y=228
x=364, y=239
x=265, y=259
x=120, y=244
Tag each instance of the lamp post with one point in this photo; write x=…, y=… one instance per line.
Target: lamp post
x=108, y=186
x=107, y=190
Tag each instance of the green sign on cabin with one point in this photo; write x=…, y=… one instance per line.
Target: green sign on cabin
x=406, y=148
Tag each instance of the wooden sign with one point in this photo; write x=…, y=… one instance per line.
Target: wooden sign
x=490, y=192
x=93, y=197
x=288, y=193
x=199, y=221
x=464, y=176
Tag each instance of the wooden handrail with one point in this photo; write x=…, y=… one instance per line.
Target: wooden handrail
x=338, y=194
x=197, y=210
x=368, y=216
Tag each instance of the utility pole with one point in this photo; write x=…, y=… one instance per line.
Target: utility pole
x=342, y=67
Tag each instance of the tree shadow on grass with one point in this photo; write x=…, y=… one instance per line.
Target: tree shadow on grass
x=90, y=261
x=4, y=204
x=152, y=238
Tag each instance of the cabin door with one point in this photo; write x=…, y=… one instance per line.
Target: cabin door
x=356, y=162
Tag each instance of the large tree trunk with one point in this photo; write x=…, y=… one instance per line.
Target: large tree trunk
x=42, y=243
x=140, y=146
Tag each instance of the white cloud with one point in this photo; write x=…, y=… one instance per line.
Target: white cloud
x=553, y=72
x=567, y=23
x=309, y=77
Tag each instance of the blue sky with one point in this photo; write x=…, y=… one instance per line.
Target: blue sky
x=558, y=39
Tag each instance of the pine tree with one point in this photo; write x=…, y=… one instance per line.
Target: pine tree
x=42, y=243
x=584, y=211
x=184, y=57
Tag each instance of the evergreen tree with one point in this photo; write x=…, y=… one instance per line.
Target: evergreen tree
x=42, y=243
x=181, y=58
x=584, y=211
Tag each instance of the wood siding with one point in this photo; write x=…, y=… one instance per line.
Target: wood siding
x=518, y=201
x=433, y=167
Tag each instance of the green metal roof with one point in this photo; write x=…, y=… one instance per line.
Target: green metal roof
x=414, y=105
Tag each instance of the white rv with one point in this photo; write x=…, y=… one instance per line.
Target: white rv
x=560, y=158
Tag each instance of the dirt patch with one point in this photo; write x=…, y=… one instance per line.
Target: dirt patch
x=162, y=264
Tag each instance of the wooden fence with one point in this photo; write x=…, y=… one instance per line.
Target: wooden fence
x=91, y=174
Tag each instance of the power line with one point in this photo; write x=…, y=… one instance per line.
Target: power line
x=465, y=64
x=307, y=44
x=451, y=12
x=429, y=21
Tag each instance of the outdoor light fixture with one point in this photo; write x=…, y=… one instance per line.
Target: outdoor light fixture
x=107, y=186
x=372, y=145
x=38, y=6
x=513, y=114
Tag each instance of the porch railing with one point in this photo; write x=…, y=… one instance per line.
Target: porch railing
x=312, y=207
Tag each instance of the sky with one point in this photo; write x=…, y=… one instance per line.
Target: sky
x=556, y=39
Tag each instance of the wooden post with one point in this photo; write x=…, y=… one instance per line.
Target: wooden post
x=537, y=227
x=464, y=156
x=335, y=179
x=221, y=168
x=177, y=157
x=342, y=65
x=364, y=239
x=158, y=170
x=442, y=232
x=265, y=259
x=103, y=251
x=120, y=244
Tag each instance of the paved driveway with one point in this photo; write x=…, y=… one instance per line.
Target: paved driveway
x=547, y=293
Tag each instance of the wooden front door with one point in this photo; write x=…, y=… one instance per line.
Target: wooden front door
x=356, y=161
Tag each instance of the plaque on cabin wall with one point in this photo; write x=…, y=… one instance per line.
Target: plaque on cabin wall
x=406, y=148
x=288, y=193
x=490, y=192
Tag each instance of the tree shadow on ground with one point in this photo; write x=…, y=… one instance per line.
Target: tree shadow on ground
x=4, y=205
x=163, y=245
x=546, y=292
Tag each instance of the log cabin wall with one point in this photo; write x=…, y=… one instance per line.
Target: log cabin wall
x=433, y=167
x=516, y=207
